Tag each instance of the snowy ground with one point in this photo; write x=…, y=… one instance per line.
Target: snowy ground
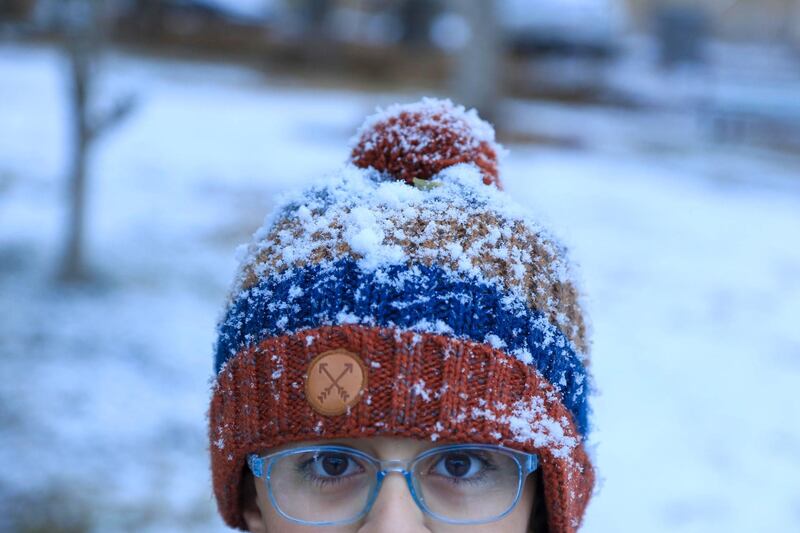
x=688, y=251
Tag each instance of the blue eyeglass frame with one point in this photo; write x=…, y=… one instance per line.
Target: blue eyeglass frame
x=261, y=467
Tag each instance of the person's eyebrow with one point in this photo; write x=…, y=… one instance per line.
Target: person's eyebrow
x=362, y=446
x=366, y=446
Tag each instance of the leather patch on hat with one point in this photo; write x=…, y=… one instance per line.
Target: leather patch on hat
x=336, y=380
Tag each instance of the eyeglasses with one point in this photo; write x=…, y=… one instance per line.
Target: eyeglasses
x=335, y=485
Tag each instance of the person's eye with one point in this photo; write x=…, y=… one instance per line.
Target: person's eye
x=460, y=466
x=333, y=465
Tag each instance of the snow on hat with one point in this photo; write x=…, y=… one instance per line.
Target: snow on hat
x=406, y=295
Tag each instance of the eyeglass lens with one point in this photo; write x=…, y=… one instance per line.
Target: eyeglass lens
x=322, y=486
x=461, y=485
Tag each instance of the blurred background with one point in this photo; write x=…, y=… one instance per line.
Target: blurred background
x=142, y=140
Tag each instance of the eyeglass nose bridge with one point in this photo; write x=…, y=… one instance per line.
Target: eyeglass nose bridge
x=394, y=465
x=399, y=467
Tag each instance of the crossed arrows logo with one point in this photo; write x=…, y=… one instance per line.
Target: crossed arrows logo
x=334, y=382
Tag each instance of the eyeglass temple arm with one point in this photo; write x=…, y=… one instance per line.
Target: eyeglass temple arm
x=531, y=463
x=256, y=465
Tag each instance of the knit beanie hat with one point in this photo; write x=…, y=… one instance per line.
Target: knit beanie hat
x=406, y=295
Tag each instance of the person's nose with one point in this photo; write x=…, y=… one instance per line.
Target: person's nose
x=394, y=511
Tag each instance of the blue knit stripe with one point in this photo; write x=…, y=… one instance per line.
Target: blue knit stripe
x=417, y=298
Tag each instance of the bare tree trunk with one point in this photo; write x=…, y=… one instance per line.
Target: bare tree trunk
x=793, y=24
x=416, y=16
x=317, y=46
x=477, y=77
x=83, y=45
x=78, y=52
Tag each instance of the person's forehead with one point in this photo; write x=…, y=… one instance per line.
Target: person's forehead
x=380, y=447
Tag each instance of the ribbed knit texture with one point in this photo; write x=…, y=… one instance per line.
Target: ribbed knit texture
x=422, y=386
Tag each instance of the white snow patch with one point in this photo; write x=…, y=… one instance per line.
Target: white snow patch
x=419, y=389
x=530, y=423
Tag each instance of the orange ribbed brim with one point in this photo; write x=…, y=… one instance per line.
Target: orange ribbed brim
x=259, y=403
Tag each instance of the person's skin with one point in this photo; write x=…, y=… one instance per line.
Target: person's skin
x=394, y=510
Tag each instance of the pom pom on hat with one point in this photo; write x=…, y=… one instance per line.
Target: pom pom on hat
x=420, y=140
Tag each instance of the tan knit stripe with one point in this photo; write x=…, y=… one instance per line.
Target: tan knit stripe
x=532, y=267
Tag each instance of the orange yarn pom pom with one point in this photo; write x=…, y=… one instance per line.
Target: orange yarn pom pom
x=420, y=140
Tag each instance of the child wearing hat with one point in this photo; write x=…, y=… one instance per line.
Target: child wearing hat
x=403, y=349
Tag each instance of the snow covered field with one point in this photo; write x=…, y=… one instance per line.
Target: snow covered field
x=688, y=250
